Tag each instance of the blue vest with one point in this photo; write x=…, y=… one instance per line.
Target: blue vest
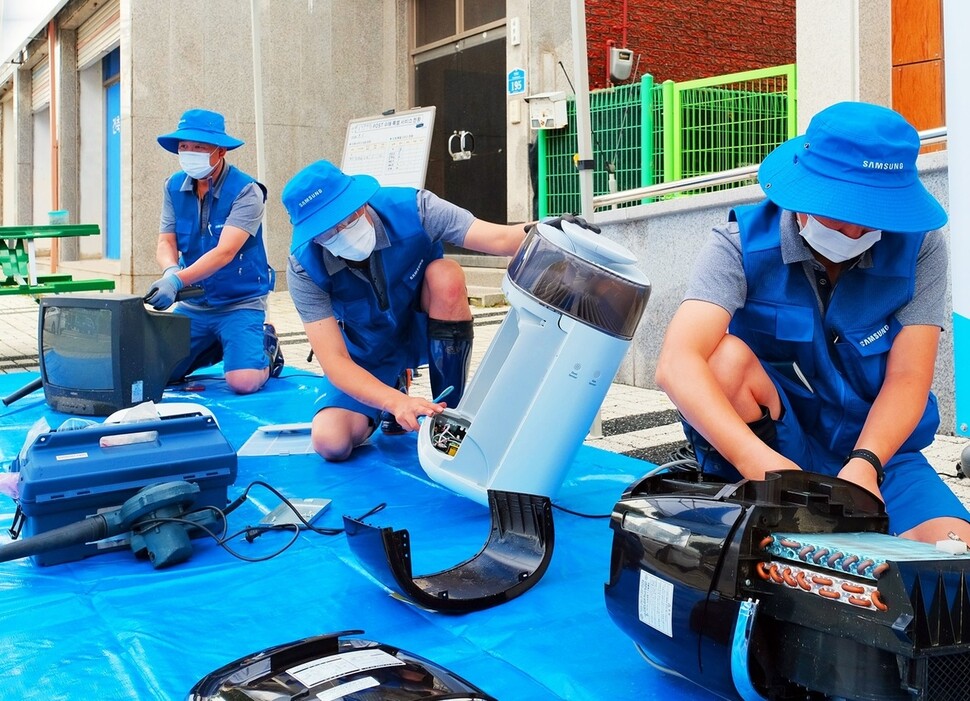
x=843, y=354
x=383, y=341
x=248, y=275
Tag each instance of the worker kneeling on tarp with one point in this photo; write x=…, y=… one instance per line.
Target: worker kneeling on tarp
x=368, y=278
x=808, y=334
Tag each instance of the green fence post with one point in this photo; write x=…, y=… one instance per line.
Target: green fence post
x=671, y=130
x=543, y=194
x=646, y=134
x=792, y=95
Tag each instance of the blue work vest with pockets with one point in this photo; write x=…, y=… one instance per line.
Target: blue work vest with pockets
x=383, y=341
x=841, y=355
x=246, y=276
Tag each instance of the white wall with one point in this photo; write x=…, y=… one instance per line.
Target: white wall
x=843, y=49
x=91, y=155
x=956, y=16
x=41, y=181
x=9, y=162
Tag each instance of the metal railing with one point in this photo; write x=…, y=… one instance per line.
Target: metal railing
x=726, y=177
x=645, y=134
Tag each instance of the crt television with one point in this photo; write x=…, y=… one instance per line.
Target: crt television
x=105, y=352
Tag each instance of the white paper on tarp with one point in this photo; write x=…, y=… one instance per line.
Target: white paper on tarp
x=279, y=439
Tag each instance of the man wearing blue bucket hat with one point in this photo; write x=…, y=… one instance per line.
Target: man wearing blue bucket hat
x=376, y=297
x=808, y=333
x=210, y=236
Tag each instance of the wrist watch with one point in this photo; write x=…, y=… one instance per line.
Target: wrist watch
x=870, y=458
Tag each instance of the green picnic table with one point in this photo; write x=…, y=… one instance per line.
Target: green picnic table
x=17, y=266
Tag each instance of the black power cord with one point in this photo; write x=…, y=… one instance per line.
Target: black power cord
x=579, y=513
x=251, y=533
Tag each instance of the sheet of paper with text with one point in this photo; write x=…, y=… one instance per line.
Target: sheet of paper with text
x=394, y=148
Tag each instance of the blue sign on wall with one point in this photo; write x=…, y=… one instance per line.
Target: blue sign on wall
x=516, y=81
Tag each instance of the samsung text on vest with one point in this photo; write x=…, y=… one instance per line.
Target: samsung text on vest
x=874, y=337
x=416, y=270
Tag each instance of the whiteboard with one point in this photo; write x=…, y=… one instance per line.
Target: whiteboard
x=394, y=148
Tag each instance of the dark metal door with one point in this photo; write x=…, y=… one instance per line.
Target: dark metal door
x=466, y=84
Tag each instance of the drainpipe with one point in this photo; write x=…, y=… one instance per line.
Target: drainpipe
x=609, y=76
x=55, y=156
x=625, y=23
x=256, y=32
x=583, y=131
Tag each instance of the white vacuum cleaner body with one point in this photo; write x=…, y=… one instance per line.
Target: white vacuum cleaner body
x=576, y=299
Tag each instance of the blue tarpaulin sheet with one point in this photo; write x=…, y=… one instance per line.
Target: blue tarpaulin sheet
x=111, y=627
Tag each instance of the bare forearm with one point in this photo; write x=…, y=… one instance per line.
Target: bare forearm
x=693, y=389
x=895, y=413
x=901, y=401
x=205, y=266
x=497, y=239
x=166, y=252
x=352, y=379
x=685, y=372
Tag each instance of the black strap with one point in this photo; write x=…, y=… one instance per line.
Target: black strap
x=870, y=458
x=764, y=427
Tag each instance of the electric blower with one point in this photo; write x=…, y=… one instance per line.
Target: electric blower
x=157, y=518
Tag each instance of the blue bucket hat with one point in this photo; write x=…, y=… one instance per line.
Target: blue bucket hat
x=856, y=163
x=203, y=126
x=321, y=196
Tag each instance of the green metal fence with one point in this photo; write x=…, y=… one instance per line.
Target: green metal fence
x=644, y=134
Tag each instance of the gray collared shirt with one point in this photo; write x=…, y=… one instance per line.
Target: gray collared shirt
x=442, y=220
x=718, y=274
x=246, y=212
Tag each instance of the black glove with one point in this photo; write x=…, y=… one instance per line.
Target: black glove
x=572, y=219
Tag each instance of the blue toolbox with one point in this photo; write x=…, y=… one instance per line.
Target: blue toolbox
x=67, y=476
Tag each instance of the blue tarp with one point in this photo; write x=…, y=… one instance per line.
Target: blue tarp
x=111, y=627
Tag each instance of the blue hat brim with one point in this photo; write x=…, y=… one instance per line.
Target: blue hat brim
x=355, y=196
x=789, y=184
x=170, y=142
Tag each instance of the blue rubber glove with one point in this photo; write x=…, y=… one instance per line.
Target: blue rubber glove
x=161, y=295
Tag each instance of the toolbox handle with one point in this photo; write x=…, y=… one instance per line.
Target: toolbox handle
x=161, y=427
x=114, y=441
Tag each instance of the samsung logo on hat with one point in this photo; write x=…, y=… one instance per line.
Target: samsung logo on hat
x=315, y=193
x=883, y=165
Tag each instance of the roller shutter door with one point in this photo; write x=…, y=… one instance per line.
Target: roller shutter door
x=99, y=34
x=40, y=83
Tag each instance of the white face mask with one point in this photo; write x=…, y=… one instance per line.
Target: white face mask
x=835, y=245
x=354, y=242
x=196, y=163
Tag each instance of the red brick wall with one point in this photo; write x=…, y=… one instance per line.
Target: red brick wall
x=687, y=39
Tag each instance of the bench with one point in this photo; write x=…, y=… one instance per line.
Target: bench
x=19, y=271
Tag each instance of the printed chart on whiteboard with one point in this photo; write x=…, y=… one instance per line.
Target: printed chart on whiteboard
x=394, y=148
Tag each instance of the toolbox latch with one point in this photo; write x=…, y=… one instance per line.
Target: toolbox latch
x=19, y=519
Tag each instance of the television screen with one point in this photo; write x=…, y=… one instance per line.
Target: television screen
x=104, y=352
x=76, y=346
